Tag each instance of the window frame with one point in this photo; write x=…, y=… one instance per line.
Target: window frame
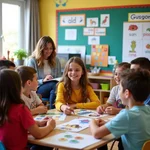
x=20, y=3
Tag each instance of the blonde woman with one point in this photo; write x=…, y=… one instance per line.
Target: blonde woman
x=47, y=65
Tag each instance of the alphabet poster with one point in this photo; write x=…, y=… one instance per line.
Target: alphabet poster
x=71, y=140
x=136, y=40
x=99, y=55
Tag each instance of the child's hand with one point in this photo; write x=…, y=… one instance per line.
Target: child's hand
x=112, y=110
x=41, y=109
x=73, y=106
x=100, y=122
x=48, y=77
x=51, y=122
x=42, y=123
x=67, y=109
x=101, y=109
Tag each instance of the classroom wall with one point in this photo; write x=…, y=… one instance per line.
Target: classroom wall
x=48, y=11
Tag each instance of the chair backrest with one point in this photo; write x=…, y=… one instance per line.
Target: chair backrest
x=2, y=147
x=146, y=145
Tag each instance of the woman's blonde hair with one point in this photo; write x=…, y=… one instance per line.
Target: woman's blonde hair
x=84, y=82
x=38, y=52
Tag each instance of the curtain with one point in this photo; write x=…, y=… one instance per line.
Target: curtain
x=32, y=24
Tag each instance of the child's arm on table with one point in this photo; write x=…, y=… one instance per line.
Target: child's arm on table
x=101, y=109
x=40, y=132
x=98, y=128
x=39, y=110
x=112, y=110
x=67, y=109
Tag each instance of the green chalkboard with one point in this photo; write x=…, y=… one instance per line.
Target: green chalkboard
x=114, y=33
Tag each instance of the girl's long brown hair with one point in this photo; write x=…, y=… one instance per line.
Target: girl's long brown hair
x=84, y=82
x=38, y=52
x=10, y=92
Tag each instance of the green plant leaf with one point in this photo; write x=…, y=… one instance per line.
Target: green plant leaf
x=20, y=54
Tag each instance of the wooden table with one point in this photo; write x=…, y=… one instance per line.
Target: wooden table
x=45, y=140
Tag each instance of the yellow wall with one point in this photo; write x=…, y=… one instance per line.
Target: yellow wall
x=48, y=11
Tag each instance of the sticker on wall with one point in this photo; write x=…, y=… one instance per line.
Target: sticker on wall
x=60, y=2
x=93, y=40
x=105, y=20
x=92, y=22
x=88, y=31
x=111, y=60
x=100, y=31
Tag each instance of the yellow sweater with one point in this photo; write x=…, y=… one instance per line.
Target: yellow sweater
x=76, y=98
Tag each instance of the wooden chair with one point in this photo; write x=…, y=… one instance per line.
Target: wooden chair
x=146, y=145
x=2, y=147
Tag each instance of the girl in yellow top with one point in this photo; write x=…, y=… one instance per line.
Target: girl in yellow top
x=74, y=90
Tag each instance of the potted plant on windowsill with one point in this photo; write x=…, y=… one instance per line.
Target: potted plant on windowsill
x=20, y=55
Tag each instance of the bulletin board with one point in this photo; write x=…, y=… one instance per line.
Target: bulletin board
x=114, y=33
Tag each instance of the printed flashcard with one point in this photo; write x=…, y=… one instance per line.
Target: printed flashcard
x=93, y=40
x=55, y=115
x=146, y=30
x=72, y=140
x=75, y=125
x=92, y=22
x=111, y=60
x=132, y=49
x=105, y=20
x=88, y=31
x=90, y=113
x=146, y=48
x=133, y=31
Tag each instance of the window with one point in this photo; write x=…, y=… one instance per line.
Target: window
x=11, y=27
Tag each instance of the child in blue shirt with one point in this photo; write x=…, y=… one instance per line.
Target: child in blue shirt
x=141, y=63
x=132, y=124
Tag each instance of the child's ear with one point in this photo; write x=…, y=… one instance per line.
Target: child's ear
x=127, y=93
x=28, y=82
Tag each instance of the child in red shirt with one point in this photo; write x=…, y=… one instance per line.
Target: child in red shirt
x=15, y=118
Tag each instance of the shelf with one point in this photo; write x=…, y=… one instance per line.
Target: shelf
x=100, y=90
x=96, y=81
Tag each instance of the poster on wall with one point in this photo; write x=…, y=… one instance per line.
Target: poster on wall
x=99, y=55
x=70, y=34
x=92, y=22
x=72, y=20
x=104, y=20
x=136, y=40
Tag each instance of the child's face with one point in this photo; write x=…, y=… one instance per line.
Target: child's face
x=34, y=83
x=75, y=72
x=117, y=74
x=134, y=66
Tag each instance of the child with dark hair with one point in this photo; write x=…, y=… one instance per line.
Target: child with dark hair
x=30, y=84
x=15, y=118
x=7, y=64
x=114, y=103
x=131, y=124
x=141, y=63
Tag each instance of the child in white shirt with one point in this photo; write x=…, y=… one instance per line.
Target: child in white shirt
x=30, y=84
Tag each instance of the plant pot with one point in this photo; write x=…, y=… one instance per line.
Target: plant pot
x=19, y=62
